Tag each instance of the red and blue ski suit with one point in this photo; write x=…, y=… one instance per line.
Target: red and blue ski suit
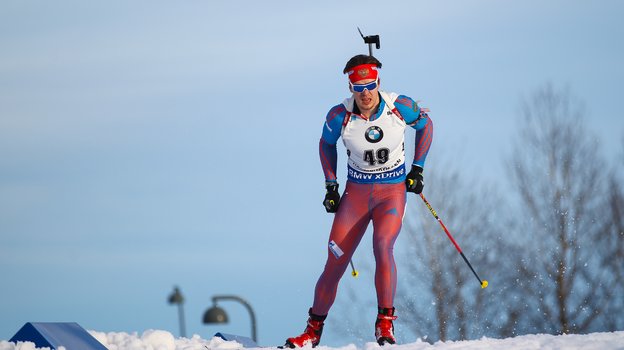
x=378, y=197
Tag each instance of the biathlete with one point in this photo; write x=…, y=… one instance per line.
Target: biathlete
x=372, y=126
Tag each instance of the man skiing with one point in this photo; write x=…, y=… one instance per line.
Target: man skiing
x=372, y=126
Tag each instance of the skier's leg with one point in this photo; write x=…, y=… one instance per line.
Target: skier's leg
x=347, y=230
x=387, y=218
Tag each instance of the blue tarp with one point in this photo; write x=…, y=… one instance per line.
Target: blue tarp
x=246, y=342
x=54, y=334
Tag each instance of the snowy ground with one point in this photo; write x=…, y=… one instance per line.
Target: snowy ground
x=162, y=340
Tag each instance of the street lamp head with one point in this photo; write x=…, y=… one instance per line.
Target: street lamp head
x=215, y=315
x=176, y=297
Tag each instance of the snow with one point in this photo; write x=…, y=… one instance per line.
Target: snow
x=163, y=340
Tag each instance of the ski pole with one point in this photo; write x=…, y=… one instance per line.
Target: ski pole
x=354, y=272
x=483, y=283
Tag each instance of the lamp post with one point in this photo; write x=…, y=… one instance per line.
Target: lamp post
x=217, y=315
x=177, y=298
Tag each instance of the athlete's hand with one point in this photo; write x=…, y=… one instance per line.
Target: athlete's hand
x=332, y=197
x=414, y=180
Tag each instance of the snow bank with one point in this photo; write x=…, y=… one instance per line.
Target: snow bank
x=594, y=341
x=163, y=340
x=5, y=345
x=159, y=340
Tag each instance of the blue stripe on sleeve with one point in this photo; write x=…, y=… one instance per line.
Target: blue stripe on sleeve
x=333, y=124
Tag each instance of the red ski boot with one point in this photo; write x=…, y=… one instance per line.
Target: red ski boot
x=311, y=335
x=384, y=329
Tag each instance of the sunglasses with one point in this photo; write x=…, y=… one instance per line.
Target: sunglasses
x=361, y=87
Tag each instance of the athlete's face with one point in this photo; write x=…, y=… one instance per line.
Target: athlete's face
x=366, y=100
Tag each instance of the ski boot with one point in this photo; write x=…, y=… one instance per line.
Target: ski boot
x=384, y=329
x=311, y=335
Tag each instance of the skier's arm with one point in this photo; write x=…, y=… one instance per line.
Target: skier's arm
x=327, y=145
x=329, y=159
x=418, y=119
x=424, y=136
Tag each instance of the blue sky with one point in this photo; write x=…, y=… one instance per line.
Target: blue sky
x=149, y=144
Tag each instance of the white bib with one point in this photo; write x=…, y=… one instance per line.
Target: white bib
x=375, y=148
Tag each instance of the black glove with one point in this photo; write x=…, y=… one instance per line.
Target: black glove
x=332, y=197
x=414, y=180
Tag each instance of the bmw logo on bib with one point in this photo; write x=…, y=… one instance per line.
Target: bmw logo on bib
x=373, y=134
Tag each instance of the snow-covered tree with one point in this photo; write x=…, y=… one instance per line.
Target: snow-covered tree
x=564, y=193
